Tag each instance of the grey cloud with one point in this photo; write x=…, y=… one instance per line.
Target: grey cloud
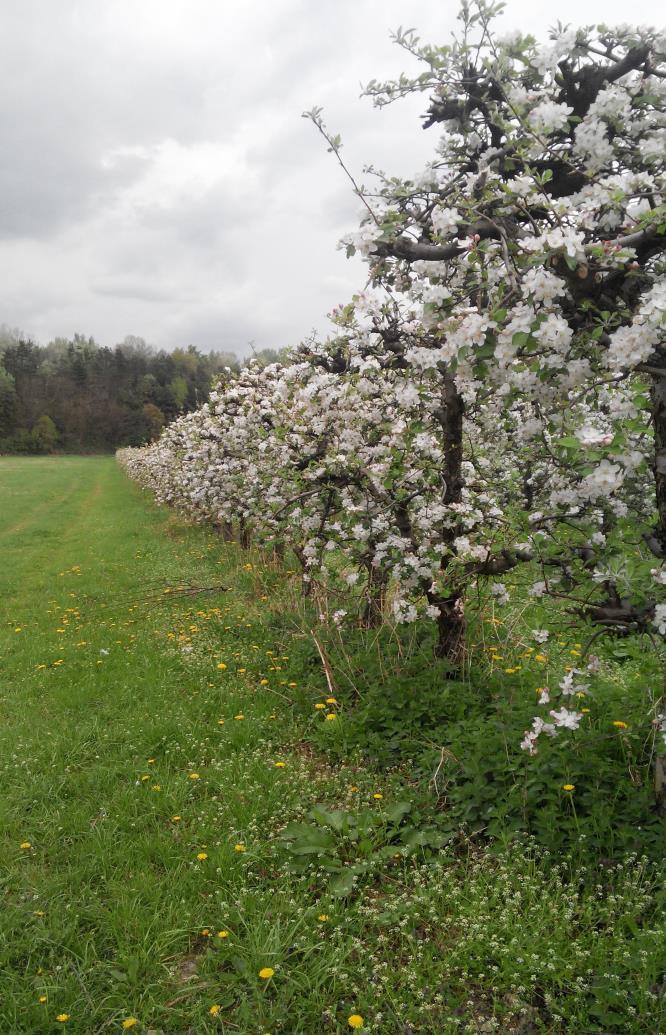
x=156, y=177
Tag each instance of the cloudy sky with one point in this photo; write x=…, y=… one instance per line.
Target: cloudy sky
x=156, y=177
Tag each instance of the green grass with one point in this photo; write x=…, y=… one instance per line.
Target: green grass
x=116, y=719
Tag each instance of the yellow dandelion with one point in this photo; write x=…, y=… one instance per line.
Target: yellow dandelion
x=25, y=844
x=201, y=856
x=62, y=1018
x=320, y=707
x=378, y=796
x=129, y=1022
x=239, y=848
x=355, y=1021
x=222, y=934
x=322, y=918
x=331, y=700
x=620, y=725
x=214, y=1010
x=238, y=717
x=568, y=787
x=176, y=819
x=194, y=776
x=263, y=682
x=331, y=716
x=43, y=999
x=221, y=666
x=280, y=765
x=266, y=973
x=540, y=657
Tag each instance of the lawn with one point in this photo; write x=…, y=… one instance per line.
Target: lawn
x=158, y=736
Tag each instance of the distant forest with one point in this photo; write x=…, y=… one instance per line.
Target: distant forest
x=75, y=396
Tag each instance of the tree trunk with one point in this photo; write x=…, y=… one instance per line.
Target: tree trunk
x=244, y=534
x=451, y=625
x=306, y=584
x=658, y=395
x=451, y=629
x=224, y=529
x=375, y=595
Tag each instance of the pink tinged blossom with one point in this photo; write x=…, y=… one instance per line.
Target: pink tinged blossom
x=566, y=719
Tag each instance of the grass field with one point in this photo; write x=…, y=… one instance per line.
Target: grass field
x=154, y=743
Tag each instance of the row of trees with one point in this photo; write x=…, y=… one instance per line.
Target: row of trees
x=496, y=397
x=75, y=395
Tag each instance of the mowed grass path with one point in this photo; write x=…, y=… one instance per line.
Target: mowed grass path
x=140, y=781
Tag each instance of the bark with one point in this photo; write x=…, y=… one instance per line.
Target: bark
x=306, y=584
x=658, y=395
x=244, y=534
x=375, y=596
x=451, y=625
x=224, y=529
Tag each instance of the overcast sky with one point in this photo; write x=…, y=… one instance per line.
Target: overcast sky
x=156, y=177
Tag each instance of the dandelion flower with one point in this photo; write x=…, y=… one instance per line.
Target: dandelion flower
x=221, y=666
x=62, y=1017
x=266, y=973
x=280, y=765
x=620, y=725
x=323, y=917
x=43, y=999
x=194, y=776
x=331, y=700
x=222, y=934
x=238, y=717
x=239, y=848
x=25, y=844
x=129, y=1022
x=378, y=797
x=214, y=1010
x=201, y=856
x=320, y=707
x=331, y=716
x=355, y=1021
x=263, y=682
x=175, y=819
x=568, y=787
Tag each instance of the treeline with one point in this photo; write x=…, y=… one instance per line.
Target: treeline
x=77, y=396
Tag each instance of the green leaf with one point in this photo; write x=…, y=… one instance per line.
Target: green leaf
x=343, y=884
